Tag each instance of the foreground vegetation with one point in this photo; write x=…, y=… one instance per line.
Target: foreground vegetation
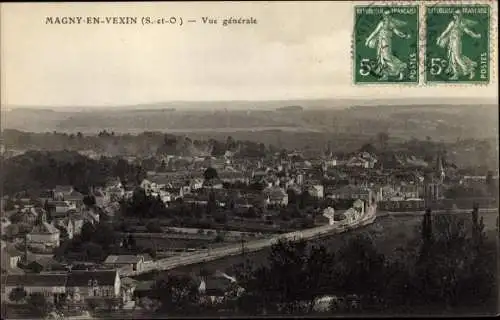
x=450, y=266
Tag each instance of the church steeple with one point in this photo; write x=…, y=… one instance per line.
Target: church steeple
x=440, y=169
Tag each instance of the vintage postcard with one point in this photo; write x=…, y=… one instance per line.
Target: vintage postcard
x=249, y=159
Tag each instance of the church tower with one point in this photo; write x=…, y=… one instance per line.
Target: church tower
x=440, y=169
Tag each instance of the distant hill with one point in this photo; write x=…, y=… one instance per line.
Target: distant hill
x=332, y=117
x=290, y=108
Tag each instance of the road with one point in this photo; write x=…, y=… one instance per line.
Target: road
x=250, y=246
x=435, y=212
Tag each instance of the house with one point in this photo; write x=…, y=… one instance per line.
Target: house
x=329, y=213
x=4, y=223
x=316, y=191
x=411, y=204
x=10, y=257
x=101, y=197
x=60, y=192
x=196, y=183
x=43, y=236
x=146, y=258
x=74, y=198
x=29, y=214
x=46, y=195
x=143, y=288
x=115, y=193
x=114, y=189
x=233, y=176
x=219, y=287
x=52, y=286
x=195, y=199
x=276, y=196
x=90, y=215
x=351, y=216
x=363, y=160
x=60, y=208
x=128, y=286
x=134, y=262
x=113, y=183
x=147, y=186
x=72, y=226
x=82, y=285
x=44, y=264
x=350, y=192
x=213, y=184
x=65, y=227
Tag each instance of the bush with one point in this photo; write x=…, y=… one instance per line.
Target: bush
x=153, y=227
x=219, y=238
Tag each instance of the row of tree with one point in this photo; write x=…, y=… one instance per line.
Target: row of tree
x=35, y=171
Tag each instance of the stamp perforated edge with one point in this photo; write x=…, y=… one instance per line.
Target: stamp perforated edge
x=382, y=3
x=493, y=42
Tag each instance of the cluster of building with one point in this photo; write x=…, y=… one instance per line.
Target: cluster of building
x=397, y=184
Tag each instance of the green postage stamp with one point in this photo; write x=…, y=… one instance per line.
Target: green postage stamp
x=386, y=44
x=457, y=44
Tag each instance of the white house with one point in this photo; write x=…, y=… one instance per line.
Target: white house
x=43, y=236
x=276, y=196
x=317, y=191
x=329, y=214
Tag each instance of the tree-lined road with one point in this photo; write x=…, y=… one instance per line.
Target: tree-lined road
x=239, y=248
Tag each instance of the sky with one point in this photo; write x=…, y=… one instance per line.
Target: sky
x=296, y=50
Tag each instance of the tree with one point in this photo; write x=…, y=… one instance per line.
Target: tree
x=131, y=241
x=179, y=295
x=457, y=267
x=383, y=138
x=104, y=235
x=153, y=228
x=87, y=231
x=219, y=237
x=92, y=304
x=92, y=251
x=89, y=200
x=427, y=235
x=12, y=231
x=17, y=294
x=38, y=304
x=210, y=173
x=292, y=197
x=16, y=217
x=294, y=277
x=304, y=199
x=360, y=267
x=368, y=147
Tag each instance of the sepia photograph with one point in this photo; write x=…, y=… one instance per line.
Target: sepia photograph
x=249, y=159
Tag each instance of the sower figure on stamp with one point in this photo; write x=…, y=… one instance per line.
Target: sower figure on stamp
x=451, y=40
x=381, y=39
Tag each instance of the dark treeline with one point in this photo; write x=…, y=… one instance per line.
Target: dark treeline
x=35, y=171
x=144, y=144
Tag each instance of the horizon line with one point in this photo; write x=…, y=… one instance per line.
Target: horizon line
x=421, y=100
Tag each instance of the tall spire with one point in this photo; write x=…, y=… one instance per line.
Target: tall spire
x=440, y=168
